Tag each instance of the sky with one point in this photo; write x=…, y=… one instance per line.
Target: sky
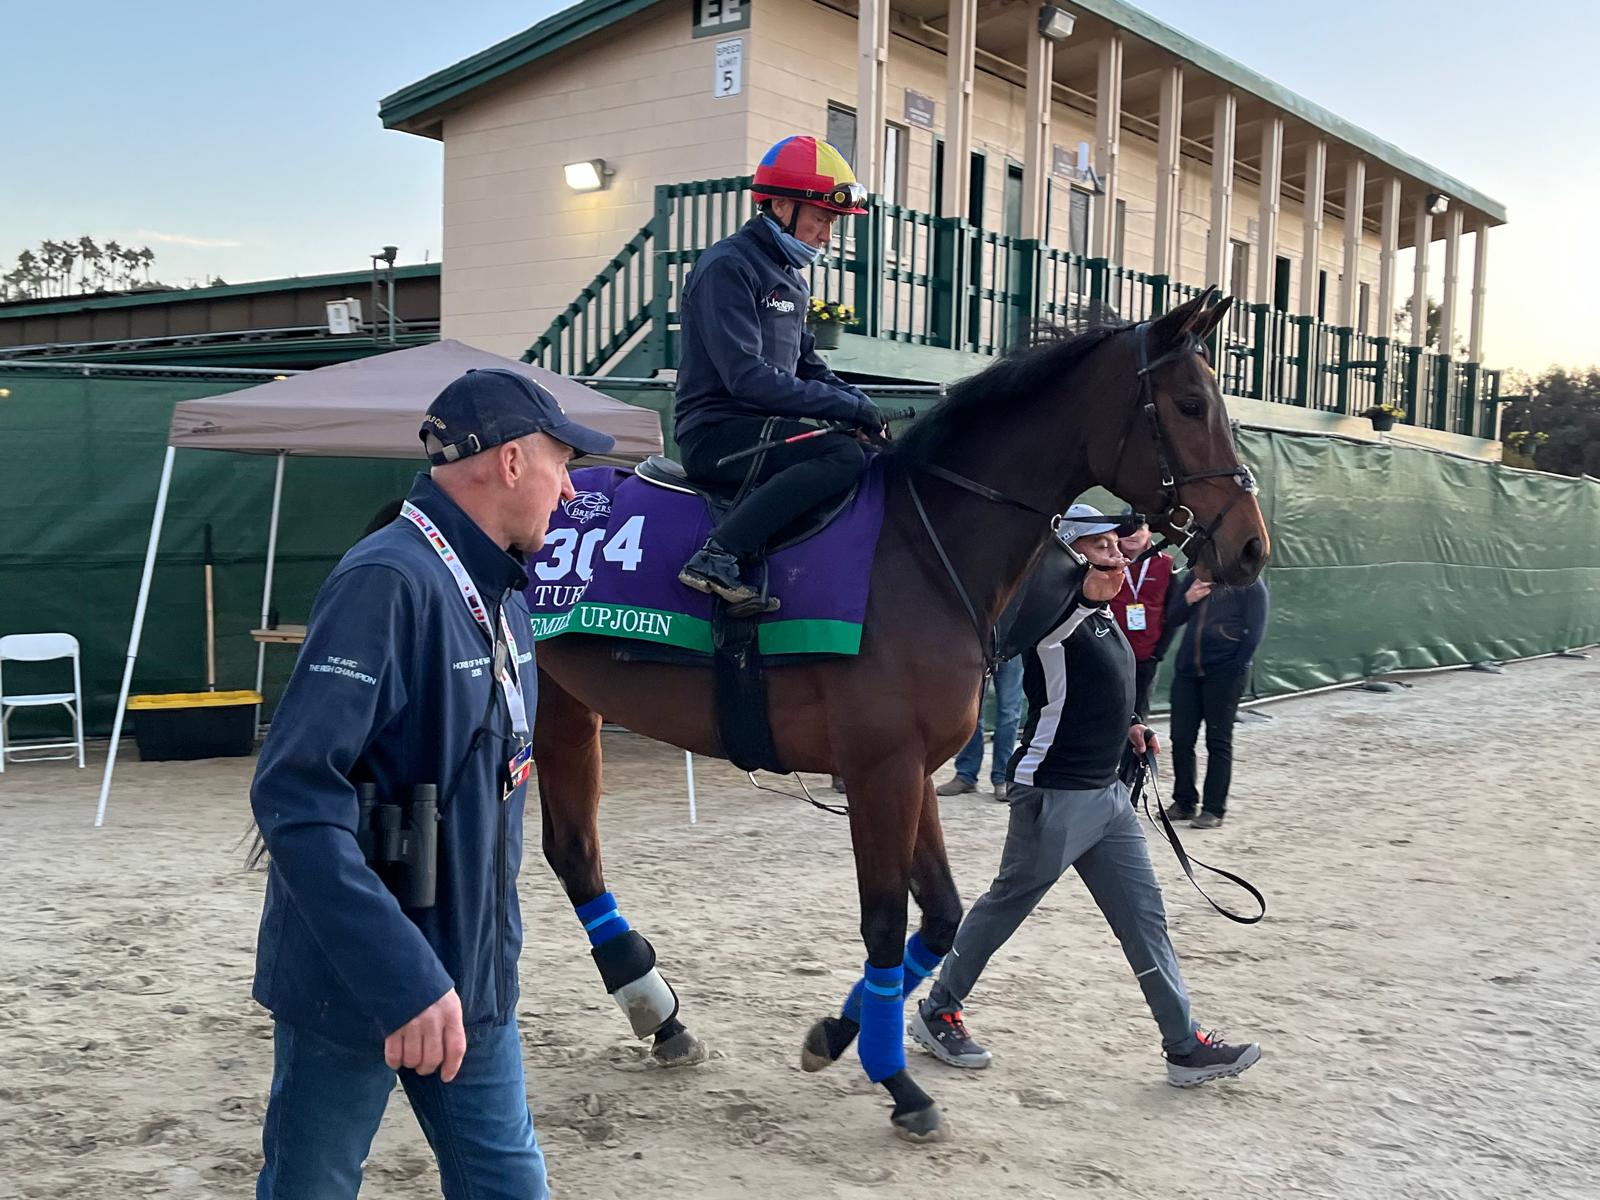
x=241, y=139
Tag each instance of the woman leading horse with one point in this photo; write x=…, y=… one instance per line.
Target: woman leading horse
x=972, y=487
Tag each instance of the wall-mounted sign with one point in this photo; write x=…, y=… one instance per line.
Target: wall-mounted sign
x=919, y=110
x=714, y=18
x=1072, y=162
x=728, y=73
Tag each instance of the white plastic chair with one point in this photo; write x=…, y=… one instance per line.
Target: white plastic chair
x=42, y=647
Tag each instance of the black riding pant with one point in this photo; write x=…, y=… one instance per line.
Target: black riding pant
x=792, y=480
x=1214, y=699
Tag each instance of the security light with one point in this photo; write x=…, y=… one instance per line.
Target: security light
x=590, y=176
x=1438, y=203
x=1055, y=23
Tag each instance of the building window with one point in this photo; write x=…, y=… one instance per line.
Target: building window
x=1119, y=234
x=1282, y=276
x=1012, y=212
x=895, y=145
x=1239, y=272
x=1078, y=222
x=842, y=130
x=1363, y=299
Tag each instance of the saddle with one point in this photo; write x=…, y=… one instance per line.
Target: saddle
x=738, y=668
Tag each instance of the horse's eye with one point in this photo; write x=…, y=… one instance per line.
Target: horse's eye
x=1192, y=408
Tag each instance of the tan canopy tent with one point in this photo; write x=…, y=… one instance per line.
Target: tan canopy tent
x=367, y=408
x=372, y=407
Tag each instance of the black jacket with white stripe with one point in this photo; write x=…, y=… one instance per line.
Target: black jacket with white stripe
x=1079, y=683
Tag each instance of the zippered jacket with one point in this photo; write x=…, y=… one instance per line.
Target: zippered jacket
x=746, y=349
x=393, y=679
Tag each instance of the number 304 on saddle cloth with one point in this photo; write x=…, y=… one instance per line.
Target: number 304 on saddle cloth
x=609, y=568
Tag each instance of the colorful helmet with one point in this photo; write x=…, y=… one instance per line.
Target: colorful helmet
x=806, y=168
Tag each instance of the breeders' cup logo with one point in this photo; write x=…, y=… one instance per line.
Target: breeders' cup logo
x=586, y=506
x=778, y=304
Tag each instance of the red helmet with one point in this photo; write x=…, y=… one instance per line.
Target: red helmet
x=805, y=168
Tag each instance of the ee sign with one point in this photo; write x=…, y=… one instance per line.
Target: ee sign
x=715, y=18
x=728, y=77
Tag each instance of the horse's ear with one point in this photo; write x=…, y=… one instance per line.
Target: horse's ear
x=1183, y=321
x=1213, y=317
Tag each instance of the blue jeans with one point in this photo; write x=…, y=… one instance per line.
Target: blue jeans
x=327, y=1100
x=1008, y=712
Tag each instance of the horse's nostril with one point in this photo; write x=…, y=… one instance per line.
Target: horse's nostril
x=1252, y=551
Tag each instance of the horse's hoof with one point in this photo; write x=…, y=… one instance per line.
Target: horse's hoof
x=826, y=1041
x=921, y=1125
x=682, y=1049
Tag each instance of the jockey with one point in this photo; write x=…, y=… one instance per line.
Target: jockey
x=748, y=357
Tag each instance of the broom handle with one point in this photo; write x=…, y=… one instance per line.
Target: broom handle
x=211, y=621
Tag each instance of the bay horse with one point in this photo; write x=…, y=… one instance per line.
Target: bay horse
x=971, y=487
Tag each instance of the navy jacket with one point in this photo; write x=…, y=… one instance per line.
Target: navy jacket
x=393, y=679
x=1221, y=633
x=746, y=349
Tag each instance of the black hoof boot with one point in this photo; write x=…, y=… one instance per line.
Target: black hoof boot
x=713, y=570
x=676, y=1046
x=916, y=1117
x=826, y=1041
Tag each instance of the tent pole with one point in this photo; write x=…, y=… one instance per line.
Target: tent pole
x=688, y=770
x=266, y=586
x=138, y=629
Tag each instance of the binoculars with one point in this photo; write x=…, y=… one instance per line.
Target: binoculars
x=401, y=843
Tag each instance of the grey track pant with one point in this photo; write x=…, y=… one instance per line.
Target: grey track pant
x=1096, y=832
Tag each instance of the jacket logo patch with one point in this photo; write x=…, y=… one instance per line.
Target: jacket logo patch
x=586, y=506
x=778, y=303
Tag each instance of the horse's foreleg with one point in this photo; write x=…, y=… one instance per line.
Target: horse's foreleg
x=567, y=753
x=934, y=890
x=885, y=812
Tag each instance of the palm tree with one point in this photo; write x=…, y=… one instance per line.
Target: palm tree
x=91, y=258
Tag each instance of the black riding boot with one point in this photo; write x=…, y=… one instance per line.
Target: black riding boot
x=713, y=570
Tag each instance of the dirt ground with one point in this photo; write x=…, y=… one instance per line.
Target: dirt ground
x=1425, y=985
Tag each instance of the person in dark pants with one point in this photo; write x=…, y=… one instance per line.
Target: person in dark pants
x=748, y=357
x=1222, y=629
x=1140, y=608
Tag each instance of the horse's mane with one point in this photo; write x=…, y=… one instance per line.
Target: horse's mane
x=1024, y=374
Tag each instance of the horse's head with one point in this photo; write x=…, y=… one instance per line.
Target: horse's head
x=1175, y=458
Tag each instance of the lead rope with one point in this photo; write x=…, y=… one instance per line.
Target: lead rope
x=1144, y=786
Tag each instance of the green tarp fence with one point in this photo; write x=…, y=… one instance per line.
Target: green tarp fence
x=1384, y=557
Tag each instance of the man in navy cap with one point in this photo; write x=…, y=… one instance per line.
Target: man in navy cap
x=417, y=672
x=1069, y=809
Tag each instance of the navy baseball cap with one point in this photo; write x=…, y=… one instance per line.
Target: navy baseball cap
x=490, y=406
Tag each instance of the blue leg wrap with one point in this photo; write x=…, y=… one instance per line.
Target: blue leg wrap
x=919, y=965
x=601, y=920
x=883, y=1022
x=852, y=1003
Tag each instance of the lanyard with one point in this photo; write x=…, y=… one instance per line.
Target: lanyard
x=1144, y=569
x=505, y=669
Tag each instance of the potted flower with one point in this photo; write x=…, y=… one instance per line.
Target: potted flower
x=1383, y=416
x=827, y=319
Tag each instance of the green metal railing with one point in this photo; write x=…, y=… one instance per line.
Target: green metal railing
x=940, y=281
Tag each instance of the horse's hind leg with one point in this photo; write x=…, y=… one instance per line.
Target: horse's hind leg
x=566, y=743
x=934, y=890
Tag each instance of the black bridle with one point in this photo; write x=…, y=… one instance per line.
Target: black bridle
x=1173, y=479
x=1184, y=529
